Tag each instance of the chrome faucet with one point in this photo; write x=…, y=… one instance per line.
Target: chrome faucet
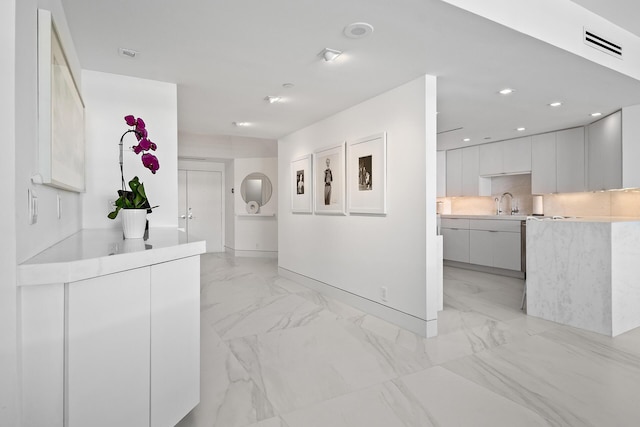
x=500, y=203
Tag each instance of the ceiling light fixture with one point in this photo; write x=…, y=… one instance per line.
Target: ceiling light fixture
x=466, y=139
x=555, y=104
x=272, y=99
x=506, y=91
x=520, y=129
x=288, y=85
x=596, y=114
x=240, y=124
x=329, y=55
x=358, y=30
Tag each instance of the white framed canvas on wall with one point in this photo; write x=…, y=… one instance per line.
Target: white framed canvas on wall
x=301, y=185
x=61, y=145
x=367, y=175
x=329, y=180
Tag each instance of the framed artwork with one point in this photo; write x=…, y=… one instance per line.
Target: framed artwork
x=367, y=175
x=61, y=145
x=329, y=180
x=301, y=185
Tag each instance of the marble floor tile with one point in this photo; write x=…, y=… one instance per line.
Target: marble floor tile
x=433, y=397
x=251, y=316
x=300, y=366
x=271, y=422
x=569, y=381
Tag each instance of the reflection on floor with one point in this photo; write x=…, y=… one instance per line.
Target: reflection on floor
x=276, y=354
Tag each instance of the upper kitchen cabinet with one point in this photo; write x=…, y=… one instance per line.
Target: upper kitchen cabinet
x=506, y=157
x=462, y=173
x=631, y=146
x=441, y=173
x=604, y=153
x=557, y=162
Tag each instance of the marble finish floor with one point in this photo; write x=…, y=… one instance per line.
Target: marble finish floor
x=277, y=354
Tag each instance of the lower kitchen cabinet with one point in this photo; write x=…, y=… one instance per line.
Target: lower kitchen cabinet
x=455, y=244
x=506, y=250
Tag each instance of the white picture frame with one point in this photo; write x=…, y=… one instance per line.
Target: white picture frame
x=329, y=180
x=367, y=175
x=61, y=134
x=302, y=184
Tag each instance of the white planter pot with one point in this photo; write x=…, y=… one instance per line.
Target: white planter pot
x=133, y=223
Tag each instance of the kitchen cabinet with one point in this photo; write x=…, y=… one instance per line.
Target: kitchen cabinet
x=604, y=153
x=495, y=243
x=557, y=162
x=463, y=172
x=505, y=157
x=455, y=235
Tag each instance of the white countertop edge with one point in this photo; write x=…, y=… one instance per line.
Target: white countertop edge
x=544, y=218
x=33, y=273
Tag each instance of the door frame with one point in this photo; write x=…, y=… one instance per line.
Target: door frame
x=206, y=165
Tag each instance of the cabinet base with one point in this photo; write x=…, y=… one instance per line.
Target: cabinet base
x=485, y=269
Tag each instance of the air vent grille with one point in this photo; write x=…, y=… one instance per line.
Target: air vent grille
x=602, y=44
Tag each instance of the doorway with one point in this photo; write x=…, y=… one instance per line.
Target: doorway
x=201, y=206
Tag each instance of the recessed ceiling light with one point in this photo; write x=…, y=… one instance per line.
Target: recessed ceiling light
x=506, y=91
x=240, y=124
x=272, y=99
x=555, y=104
x=596, y=114
x=467, y=139
x=358, y=30
x=520, y=129
x=329, y=54
x=129, y=53
x=487, y=137
x=288, y=85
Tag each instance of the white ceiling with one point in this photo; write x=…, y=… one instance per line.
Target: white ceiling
x=226, y=56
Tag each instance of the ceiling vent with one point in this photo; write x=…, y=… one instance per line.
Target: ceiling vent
x=602, y=44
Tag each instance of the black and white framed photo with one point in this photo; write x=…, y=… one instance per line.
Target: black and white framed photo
x=329, y=180
x=301, y=185
x=367, y=175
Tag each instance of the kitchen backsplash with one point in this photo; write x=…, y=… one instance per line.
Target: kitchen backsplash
x=607, y=203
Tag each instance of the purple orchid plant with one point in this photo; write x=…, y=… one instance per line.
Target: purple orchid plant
x=137, y=197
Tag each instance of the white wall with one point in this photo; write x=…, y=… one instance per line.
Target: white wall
x=9, y=402
x=256, y=233
x=360, y=254
x=225, y=146
x=108, y=99
x=49, y=229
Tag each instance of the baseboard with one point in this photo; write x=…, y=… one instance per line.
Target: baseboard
x=406, y=321
x=252, y=254
x=485, y=269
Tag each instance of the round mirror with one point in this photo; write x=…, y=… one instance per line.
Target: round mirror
x=256, y=187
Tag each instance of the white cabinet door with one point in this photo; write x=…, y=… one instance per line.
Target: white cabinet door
x=516, y=155
x=480, y=247
x=470, y=171
x=441, y=173
x=108, y=350
x=543, y=163
x=175, y=340
x=455, y=244
x=454, y=172
x=604, y=153
x=570, y=161
x=506, y=250
x=490, y=159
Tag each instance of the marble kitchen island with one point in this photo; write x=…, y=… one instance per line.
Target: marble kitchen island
x=110, y=330
x=585, y=272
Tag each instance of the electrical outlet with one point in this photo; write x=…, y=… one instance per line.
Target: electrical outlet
x=383, y=293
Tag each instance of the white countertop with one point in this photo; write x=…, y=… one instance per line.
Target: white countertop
x=508, y=217
x=547, y=218
x=93, y=253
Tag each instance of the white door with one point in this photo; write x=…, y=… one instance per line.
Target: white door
x=201, y=208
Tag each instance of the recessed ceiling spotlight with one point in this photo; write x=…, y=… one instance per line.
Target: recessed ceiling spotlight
x=288, y=85
x=467, y=139
x=596, y=114
x=272, y=99
x=555, y=104
x=128, y=53
x=487, y=137
x=520, y=129
x=358, y=30
x=240, y=124
x=329, y=54
x=506, y=91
